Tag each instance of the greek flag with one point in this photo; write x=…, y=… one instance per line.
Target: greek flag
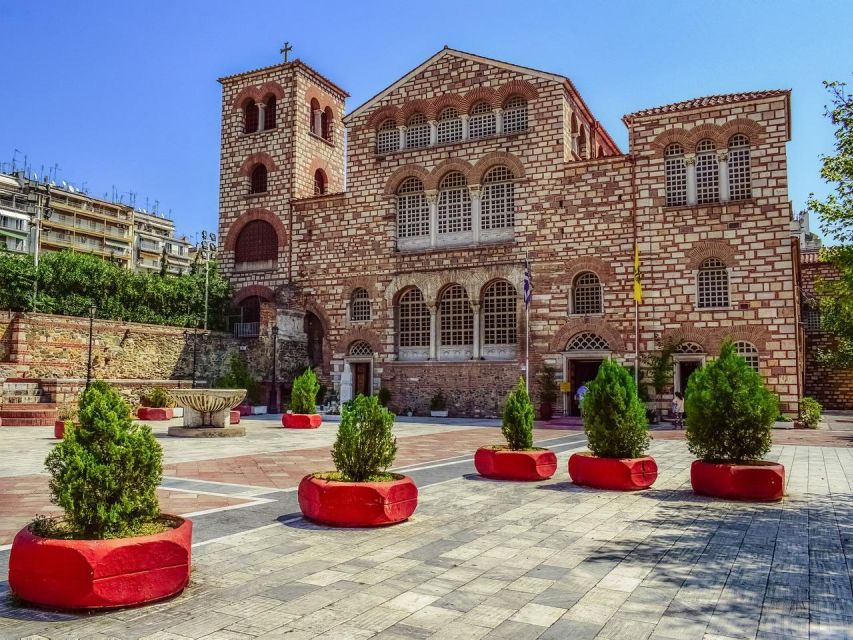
x=528, y=283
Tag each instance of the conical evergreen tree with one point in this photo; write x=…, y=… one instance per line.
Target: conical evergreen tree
x=517, y=425
x=614, y=416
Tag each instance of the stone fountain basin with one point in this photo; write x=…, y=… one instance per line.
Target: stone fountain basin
x=208, y=400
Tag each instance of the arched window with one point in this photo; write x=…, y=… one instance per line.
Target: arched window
x=412, y=209
x=257, y=244
x=482, y=122
x=259, y=179
x=498, y=204
x=740, y=180
x=250, y=117
x=359, y=306
x=690, y=348
x=315, y=120
x=515, y=115
x=387, y=137
x=414, y=326
x=676, y=175
x=319, y=182
x=456, y=324
x=707, y=173
x=449, y=126
x=361, y=349
x=587, y=342
x=712, y=285
x=500, y=302
x=250, y=311
x=586, y=294
x=748, y=352
x=454, y=204
x=417, y=131
x=326, y=124
x=269, y=113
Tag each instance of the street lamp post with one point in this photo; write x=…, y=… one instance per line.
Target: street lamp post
x=273, y=401
x=195, y=350
x=92, y=309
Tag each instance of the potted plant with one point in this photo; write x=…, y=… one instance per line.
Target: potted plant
x=810, y=410
x=518, y=459
x=384, y=396
x=659, y=370
x=239, y=377
x=360, y=493
x=438, y=405
x=303, y=403
x=63, y=416
x=730, y=414
x=548, y=391
x=617, y=432
x=112, y=547
x=156, y=405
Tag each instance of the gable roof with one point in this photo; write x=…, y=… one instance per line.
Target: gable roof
x=706, y=101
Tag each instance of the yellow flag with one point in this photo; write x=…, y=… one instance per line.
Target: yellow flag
x=638, y=286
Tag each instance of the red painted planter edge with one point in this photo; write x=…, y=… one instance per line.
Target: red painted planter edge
x=154, y=414
x=515, y=465
x=720, y=480
x=301, y=420
x=614, y=474
x=353, y=517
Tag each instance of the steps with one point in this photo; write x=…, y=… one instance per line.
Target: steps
x=23, y=405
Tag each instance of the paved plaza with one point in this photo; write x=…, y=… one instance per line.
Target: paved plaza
x=479, y=559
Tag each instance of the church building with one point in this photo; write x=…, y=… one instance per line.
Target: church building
x=388, y=245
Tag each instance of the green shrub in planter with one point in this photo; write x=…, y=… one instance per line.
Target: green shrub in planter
x=517, y=425
x=384, y=396
x=365, y=446
x=104, y=473
x=303, y=395
x=810, y=410
x=729, y=412
x=156, y=398
x=614, y=417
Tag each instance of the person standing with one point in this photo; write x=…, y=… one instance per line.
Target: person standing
x=579, y=394
x=678, y=410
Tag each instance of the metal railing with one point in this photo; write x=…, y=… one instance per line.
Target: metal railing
x=247, y=329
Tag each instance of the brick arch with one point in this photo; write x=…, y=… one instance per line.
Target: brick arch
x=688, y=333
x=494, y=159
x=246, y=93
x=388, y=112
x=593, y=325
x=411, y=108
x=755, y=334
x=254, y=160
x=265, y=293
x=707, y=131
x=481, y=94
x=487, y=283
x=446, y=167
x=356, y=334
x=750, y=128
x=704, y=249
x=323, y=98
x=440, y=103
x=255, y=214
x=589, y=263
x=360, y=282
x=270, y=88
x=323, y=165
x=670, y=136
x=404, y=172
x=516, y=88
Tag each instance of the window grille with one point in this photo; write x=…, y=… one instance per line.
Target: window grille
x=482, y=122
x=269, y=113
x=454, y=204
x=676, y=176
x=259, y=179
x=811, y=317
x=740, y=180
x=417, y=132
x=498, y=206
x=515, y=115
x=748, y=352
x=359, y=309
x=713, y=284
x=387, y=137
x=587, y=294
x=690, y=347
x=500, y=302
x=707, y=173
x=588, y=342
x=456, y=318
x=360, y=348
x=449, y=126
x=251, y=117
x=414, y=320
x=257, y=242
x=412, y=209
x=319, y=182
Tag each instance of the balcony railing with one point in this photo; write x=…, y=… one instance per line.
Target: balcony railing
x=247, y=329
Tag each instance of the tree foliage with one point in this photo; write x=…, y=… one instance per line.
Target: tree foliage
x=70, y=282
x=303, y=395
x=105, y=471
x=365, y=446
x=810, y=410
x=614, y=417
x=517, y=425
x=157, y=398
x=658, y=368
x=239, y=377
x=729, y=412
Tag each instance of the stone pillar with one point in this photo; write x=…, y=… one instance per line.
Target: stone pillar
x=433, y=132
x=402, y=142
x=476, y=349
x=433, y=331
x=432, y=200
x=318, y=122
x=464, y=118
x=499, y=121
x=690, y=163
x=262, y=113
x=723, y=168
x=346, y=383
x=476, y=210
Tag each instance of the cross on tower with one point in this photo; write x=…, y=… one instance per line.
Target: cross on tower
x=287, y=48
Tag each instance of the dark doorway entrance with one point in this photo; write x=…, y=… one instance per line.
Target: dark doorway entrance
x=314, y=332
x=361, y=378
x=685, y=370
x=581, y=372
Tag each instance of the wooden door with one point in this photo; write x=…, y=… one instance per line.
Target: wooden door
x=361, y=378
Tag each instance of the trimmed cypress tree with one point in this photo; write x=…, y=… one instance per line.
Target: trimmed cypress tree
x=303, y=394
x=729, y=412
x=105, y=471
x=614, y=417
x=365, y=446
x=517, y=425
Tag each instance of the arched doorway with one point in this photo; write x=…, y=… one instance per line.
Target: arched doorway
x=360, y=360
x=314, y=334
x=584, y=354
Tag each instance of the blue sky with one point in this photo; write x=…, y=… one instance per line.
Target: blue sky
x=124, y=94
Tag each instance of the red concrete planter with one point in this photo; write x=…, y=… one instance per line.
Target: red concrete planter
x=244, y=409
x=757, y=481
x=618, y=474
x=155, y=414
x=234, y=416
x=100, y=574
x=357, y=504
x=505, y=464
x=301, y=420
x=59, y=429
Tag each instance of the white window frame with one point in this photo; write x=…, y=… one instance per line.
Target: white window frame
x=413, y=219
x=498, y=200
x=707, y=173
x=360, y=308
x=417, y=132
x=454, y=206
x=515, y=115
x=739, y=168
x=573, y=306
x=482, y=122
x=499, y=315
x=455, y=330
x=449, y=126
x=675, y=175
x=414, y=326
x=387, y=137
x=728, y=280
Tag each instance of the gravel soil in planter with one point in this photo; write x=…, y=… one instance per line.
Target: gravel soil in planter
x=301, y=420
x=617, y=474
x=501, y=463
x=101, y=574
x=759, y=480
x=154, y=414
x=357, y=504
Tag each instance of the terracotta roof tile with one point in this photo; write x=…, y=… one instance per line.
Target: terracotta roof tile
x=707, y=101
